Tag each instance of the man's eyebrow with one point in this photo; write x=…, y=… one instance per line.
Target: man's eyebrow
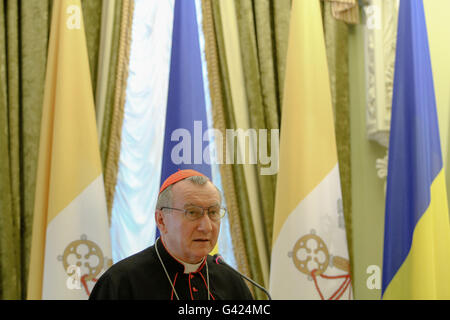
x=196, y=205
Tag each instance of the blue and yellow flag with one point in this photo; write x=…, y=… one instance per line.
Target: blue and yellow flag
x=417, y=232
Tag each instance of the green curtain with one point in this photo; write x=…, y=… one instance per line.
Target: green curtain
x=24, y=37
x=24, y=34
x=92, y=16
x=239, y=193
x=263, y=33
x=336, y=41
x=109, y=101
x=263, y=30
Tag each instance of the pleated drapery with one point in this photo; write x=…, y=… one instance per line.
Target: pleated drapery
x=218, y=89
x=336, y=42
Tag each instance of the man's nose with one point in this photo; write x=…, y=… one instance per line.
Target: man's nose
x=205, y=223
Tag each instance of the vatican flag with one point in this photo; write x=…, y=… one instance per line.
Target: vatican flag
x=70, y=242
x=309, y=254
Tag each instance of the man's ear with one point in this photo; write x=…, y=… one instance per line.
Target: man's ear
x=160, y=222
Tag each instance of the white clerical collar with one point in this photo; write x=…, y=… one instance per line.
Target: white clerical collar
x=189, y=267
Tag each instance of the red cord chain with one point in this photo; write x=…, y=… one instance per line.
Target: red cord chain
x=84, y=283
x=339, y=292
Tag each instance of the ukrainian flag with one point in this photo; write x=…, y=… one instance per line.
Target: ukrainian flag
x=417, y=232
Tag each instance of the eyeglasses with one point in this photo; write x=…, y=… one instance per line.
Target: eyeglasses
x=192, y=212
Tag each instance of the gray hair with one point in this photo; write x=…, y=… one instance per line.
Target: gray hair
x=166, y=197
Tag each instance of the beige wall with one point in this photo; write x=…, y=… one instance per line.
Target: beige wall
x=437, y=14
x=367, y=188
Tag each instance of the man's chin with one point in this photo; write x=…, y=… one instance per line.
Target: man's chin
x=203, y=250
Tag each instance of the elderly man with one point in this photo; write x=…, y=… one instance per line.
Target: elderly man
x=178, y=266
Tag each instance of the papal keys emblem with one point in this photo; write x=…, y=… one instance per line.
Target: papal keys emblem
x=83, y=260
x=311, y=257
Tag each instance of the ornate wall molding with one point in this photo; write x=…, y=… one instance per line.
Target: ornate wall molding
x=379, y=45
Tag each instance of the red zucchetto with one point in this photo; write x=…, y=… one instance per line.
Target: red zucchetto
x=179, y=175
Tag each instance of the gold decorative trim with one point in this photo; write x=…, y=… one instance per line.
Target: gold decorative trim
x=113, y=153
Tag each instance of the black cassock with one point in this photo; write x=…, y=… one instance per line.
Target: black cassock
x=141, y=276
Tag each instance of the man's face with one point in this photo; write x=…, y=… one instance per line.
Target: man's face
x=188, y=240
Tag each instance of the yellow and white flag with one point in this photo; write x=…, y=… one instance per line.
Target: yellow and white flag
x=70, y=243
x=309, y=254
